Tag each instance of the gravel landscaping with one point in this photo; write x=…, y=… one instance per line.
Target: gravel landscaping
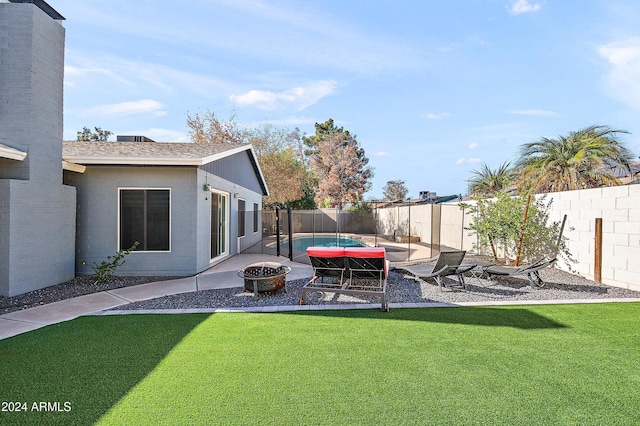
x=401, y=289
x=79, y=286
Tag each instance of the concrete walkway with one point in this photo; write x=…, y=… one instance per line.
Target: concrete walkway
x=223, y=275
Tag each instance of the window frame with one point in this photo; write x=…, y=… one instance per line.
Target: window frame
x=256, y=218
x=242, y=219
x=124, y=188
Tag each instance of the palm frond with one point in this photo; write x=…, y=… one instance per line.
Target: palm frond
x=582, y=159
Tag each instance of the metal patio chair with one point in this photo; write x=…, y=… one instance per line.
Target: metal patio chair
x=449, y=263
x=531, y=271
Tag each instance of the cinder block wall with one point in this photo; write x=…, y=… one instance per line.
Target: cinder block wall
x=418, y=221
x=41, y=234
x=405, y=221
x=619, y=208
x=37, y=216
x=453, y=234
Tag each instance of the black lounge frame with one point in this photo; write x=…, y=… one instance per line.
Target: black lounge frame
x=366, y=277
x=531, y=271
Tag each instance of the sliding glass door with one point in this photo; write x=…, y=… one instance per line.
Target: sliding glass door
x=219, y=224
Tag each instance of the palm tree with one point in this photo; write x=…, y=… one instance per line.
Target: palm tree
x=583, y=159
x=487, y=182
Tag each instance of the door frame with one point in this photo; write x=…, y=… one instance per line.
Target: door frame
x=224, y=239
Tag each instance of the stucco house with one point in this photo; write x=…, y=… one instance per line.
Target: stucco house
x=59, y=206
x=188, y=205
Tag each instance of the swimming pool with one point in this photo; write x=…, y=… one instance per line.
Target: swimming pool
x=302, y=243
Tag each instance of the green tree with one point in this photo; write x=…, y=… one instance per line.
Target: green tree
x=285, y=176
x=278, y=150
x=280, y=156
x=339, y=164
x=208, y=128
x=307, y=201
x=395, y=190
x=582, y=159
x=323, y=130
x=499, y=224
x=100, y=134
x=487, y=182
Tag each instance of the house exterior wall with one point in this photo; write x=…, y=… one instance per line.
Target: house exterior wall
x=235, y=191
x=37, y=212
x=97, y=218
x=190, y=228
x=31, y=91
x=37, y=236
x=236, y=168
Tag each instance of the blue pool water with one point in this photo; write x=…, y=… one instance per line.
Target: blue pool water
x=302, y=243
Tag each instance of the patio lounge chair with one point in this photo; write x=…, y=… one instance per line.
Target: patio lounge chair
x=328, y=262
x=531, y=271
x=367, y=269
x=448, y=263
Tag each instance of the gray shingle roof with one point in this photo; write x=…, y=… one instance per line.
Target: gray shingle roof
x=155, y=153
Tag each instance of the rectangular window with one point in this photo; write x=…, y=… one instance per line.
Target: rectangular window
x=255, y=217
x=144, y=217
x=242, y=210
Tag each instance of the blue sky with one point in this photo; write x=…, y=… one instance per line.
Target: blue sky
x=432, y=89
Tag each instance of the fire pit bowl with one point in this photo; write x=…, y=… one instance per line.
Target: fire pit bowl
x=264, y=276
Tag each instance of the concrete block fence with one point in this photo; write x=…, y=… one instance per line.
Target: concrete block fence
x=618, y=207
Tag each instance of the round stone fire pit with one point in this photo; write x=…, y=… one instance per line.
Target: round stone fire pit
x=264, y=276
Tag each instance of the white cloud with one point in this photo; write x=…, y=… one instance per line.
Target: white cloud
x=299, y=97
x=309, y=36
x=71, y=73
x=382, y=154
x=313, y=36
x=437, y=116
x=474, y=145
x=534, y=112
x=140, y=75
x=143, y=106
x=286, y=122
x=522, y=6
x=461, y=161
x=623, y=77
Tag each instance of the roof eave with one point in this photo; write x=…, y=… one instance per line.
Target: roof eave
x=12, y=153
x=128, y=161
x=44, y=6
x=72, y=167
x=224, y=154
x=258, y=169
x=151, y=161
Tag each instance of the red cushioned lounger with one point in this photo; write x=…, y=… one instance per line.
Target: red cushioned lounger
x=367, y=267
x=326, y=251
x=327, y=262
x=362, y=252
x=367, y=262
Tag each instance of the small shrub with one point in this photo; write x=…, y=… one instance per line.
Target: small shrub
x=106, y=268
x=498, y=223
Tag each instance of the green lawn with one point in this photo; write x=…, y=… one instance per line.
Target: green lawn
x=544, y=364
